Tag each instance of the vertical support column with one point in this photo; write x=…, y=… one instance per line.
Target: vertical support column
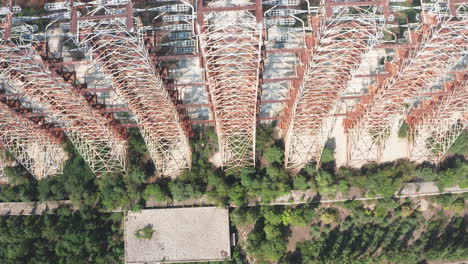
x=122, y=56
x=442, y=43
x=436, y=123
x=340, y=41
x=38, y=151
x=230, y=41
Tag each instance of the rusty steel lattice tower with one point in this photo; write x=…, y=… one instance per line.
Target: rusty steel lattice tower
x=101, y=146
x=440, y=43
x=231, y=39
x=32, y=146
x=436, y=124
x=343, y=33
x=112, y=43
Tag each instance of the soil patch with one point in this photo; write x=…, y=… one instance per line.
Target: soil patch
x=298, y=234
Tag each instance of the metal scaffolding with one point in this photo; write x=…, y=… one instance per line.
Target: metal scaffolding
x=285, y=46
x=176, y=49
x=230, y=39
x=32, y=146
x=35, y=144
x=437, y=46
x=342, y=35
x=436, y=123
x=100, y=145
x=222, y=62
x=106, y=33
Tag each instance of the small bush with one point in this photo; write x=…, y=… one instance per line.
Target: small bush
x=328, y=155
x=458, y=206
x=145, y=232
x=329, y=216
x=403, y=131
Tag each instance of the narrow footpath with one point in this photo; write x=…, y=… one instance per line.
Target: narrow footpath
x=419, y=189
x=293, y=198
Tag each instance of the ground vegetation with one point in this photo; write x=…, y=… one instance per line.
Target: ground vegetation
x=382, y=231
x=145, y=232
x=85, y=236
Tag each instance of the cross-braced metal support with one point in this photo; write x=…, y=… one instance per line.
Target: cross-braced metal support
x=340, y=41
x=436, y=124
x=101, y=146
x=121, y=54
x=33, y=147
x=230, y=42
x=442, y=42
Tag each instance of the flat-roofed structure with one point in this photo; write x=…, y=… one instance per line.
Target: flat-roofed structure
x=180, y=235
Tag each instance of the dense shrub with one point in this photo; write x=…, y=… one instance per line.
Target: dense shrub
x=66, y=237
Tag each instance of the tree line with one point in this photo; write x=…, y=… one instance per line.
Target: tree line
x=267, y=181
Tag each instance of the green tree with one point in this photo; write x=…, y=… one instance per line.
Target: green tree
x=329, y=215
x=300, y=182
x=301, y=216
x=272, y=232
x=273, y=215
x=17, y=175
x=264, y=137
x=78, y=181
x=136, y=142
x=136, y=176
x=273, y=154
x=237, y=194
x=328, y=155
x=406, y=210
x=113, y=193
x=458, y=206
x=244, y=216
x=325, y=182
x=154, y=191
x=181, y=191
x=403, y=131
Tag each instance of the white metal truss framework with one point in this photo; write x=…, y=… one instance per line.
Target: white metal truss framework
x=33, y=147
x=436, y=124
x=285, y=46
x=122, y=55
x=340, y=42
x=175, y=30
x=176, y=48
x=443, y=43
x=230, y=44
x=100, y=146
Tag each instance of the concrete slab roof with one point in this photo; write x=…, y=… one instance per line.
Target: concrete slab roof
x=180, y=235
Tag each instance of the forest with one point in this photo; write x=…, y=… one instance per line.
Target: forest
x=375, y=231
x=84, y=236
x=382, y=231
